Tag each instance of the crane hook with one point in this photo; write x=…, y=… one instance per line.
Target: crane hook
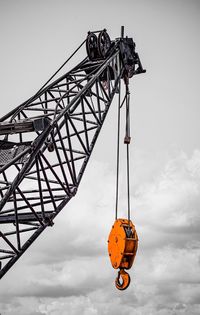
x=125, y=280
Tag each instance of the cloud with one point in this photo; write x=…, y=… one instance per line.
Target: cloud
x=68, y=267
x=169, y=207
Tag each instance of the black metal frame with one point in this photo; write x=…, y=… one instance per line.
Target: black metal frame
x=41, y=169
x=47, y=142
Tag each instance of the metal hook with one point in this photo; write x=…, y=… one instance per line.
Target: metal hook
x=125, y=280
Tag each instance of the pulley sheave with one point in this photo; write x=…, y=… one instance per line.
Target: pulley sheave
x=91, y=46
x=104, y=43
x=98, y=47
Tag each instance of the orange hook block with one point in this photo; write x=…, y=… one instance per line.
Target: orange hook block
x=122, y=248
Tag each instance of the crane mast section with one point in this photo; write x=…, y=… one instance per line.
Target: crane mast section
x=47, y=143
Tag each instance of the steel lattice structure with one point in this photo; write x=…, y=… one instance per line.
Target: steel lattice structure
x=46, y=143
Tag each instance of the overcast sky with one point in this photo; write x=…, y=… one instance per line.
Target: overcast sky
x=67, y=271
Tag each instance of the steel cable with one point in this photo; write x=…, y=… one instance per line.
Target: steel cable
x=118, y=138
x=35, y=95
x=127, y=141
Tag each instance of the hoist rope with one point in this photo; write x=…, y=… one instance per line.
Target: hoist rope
x=118, y=144
x=127, y=141
x=128, y=180
x=123, y=101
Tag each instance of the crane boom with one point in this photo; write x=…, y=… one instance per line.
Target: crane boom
x=46, y=142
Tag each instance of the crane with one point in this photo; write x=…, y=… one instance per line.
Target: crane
x=46, y=142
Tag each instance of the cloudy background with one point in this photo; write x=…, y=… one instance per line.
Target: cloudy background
x=67, y=271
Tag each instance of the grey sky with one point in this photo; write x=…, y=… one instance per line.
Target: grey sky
x=67, y=271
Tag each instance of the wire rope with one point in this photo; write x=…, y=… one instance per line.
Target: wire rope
x=128, y=181
x=118, y=145
x=127, y=142
x=35, y=95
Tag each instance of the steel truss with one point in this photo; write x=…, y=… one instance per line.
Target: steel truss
x=45, y=146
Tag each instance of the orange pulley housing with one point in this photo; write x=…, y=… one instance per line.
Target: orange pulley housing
x=122, y=248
